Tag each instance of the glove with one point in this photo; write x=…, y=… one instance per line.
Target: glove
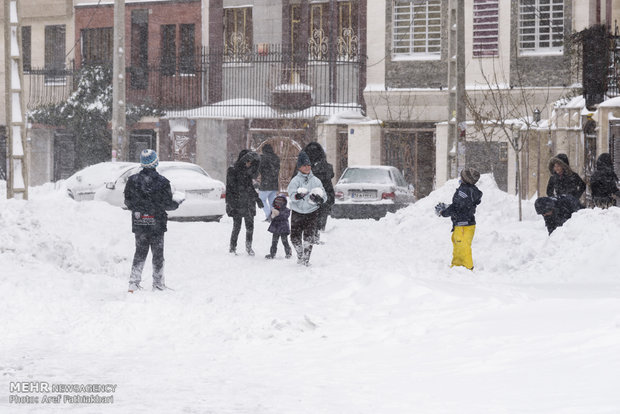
x=317, y=199
x=275, y=213
x=439, y=208
x=259, y=203
x=299, y=196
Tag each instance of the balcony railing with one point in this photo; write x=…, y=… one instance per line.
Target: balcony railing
x=255, y=83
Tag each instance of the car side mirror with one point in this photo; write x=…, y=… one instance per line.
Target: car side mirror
x=110, y=186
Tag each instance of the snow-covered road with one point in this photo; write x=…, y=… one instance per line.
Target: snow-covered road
x=378, y=324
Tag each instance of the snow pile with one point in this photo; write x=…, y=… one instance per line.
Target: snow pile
x=379, y=324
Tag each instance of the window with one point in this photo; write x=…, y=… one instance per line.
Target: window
x=486, y=28
x=541, y=26
x=97, y=45
x=347, y=30
x=295, y=23
x=417, y=29
x=168, y=49
x=237, y=32
x=319, y=31
x=187, y=51
x=26, y=48
x=139, y=48
x=55, y=53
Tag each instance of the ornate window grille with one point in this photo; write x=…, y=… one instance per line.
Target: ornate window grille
x=237, y=33
x=348, y=41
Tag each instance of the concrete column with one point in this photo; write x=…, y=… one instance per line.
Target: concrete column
x=364, y=144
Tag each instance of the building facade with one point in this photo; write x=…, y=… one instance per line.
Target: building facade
x=519, y=52
x=47, y=47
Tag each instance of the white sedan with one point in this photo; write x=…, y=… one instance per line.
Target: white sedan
x=204, y=196
x=371, y=191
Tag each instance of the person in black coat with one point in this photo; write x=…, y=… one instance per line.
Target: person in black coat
x=279, y=227
x=269, y=171
x=462, y=212
x=324, y=171
x=242, y=198
x=604, y=182
x=556, y=210
x=148, y=195
x=563, y=180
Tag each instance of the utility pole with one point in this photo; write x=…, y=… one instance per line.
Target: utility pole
x=119, y=138
x=456, y=87
x=16, y=118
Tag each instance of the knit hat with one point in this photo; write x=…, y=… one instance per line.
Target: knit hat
x=470, y=175
x=149, y=159
x=302, y=160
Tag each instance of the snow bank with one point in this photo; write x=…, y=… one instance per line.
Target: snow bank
x=379, y=324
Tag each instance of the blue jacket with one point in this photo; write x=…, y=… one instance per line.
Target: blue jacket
x=279, y=224
x=309, y=182
x=463, y=208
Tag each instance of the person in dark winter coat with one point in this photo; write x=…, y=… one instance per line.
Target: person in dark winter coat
x=324, y=171
x=604, y=183
x=242, y=198
x=279, y=227
x=556, y=210
x=563, y=180
x=307, y=194
x=462, y=212
x=269, y=170
x=148, y=195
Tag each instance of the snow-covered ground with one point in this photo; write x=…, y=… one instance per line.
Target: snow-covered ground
x=378, y=324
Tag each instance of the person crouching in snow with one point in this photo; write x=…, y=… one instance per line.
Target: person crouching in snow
x=279, y=227
x=556, y=210
x=462, y=212
x=307, y=194
x=148, y=196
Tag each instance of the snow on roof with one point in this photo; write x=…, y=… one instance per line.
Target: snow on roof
x=251, y=108
x=610, y=102
x=91, y=3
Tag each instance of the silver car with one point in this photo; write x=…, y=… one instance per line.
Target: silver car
x=370, y=192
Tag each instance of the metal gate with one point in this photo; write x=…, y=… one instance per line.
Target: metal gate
x=614, y=145
x=288, y=151
x=64, y=155
x=139, y=141
x=489, y=157
x=412, y=151
x=342, y=153
x=3, y=149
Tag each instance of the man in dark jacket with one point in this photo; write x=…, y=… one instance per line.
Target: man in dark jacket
x=269, y=170
x=462, y=212
x=556, y=210
x=148, y=196
x=604, y=182
x=563, y=180
x=241, y=197
x=324, y=171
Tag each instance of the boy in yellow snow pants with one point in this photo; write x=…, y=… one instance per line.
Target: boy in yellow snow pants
x=462, y=237
x=462, y=211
